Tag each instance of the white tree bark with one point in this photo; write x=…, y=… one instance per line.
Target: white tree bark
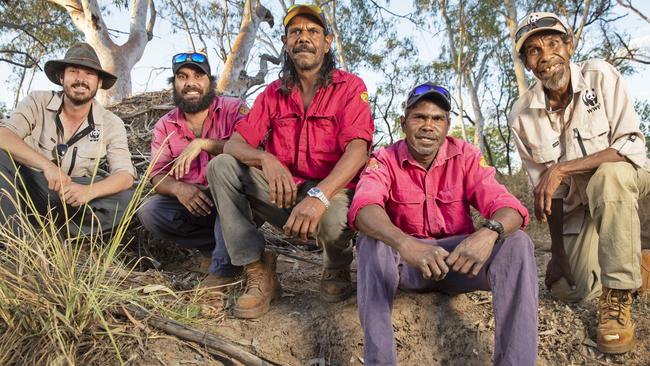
x=234, y=80
x=116, y=59
x=511, y=22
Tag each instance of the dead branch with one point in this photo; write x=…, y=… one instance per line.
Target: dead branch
x=628, y=4
x=203, y=338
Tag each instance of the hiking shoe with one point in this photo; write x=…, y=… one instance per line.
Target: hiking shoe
x=645, y=271
x=262, y=286
x=335, y=285
x=615, y=333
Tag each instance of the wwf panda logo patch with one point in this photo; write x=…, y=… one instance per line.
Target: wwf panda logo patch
x=590, y=99
x=93, y=136
x=533, y=19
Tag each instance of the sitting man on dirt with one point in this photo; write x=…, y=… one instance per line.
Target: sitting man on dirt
x=579, y=139
x=316, y=129
x=412, y=209
x=51, y=146
x=184, y=141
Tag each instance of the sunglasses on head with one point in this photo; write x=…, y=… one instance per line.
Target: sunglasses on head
x=541, y=22
x=425, y=88
x=179, y=58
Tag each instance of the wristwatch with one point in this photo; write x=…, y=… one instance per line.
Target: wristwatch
x=495, y=226
x=317, y=193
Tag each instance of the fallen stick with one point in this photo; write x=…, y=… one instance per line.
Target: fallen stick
x=203, y=338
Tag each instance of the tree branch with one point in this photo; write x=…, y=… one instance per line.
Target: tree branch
x=628, y=5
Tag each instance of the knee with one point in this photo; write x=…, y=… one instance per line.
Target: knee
x=520, y=247
x=333, y=226
x=149, y=211
x=220, y=166
x=611, y=180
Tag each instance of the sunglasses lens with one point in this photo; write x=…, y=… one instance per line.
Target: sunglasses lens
x=61, y=149
x=198, y=57
x=422, y=89
x=180, y=58
x=443, y=91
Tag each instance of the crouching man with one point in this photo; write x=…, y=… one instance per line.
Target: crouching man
x=412, y=209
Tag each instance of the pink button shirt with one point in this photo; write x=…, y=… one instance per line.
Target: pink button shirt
x=309, y=143
x=171, y=135
x=434, y=203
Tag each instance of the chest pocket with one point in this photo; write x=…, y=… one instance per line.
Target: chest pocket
x=407, y=209
x=593, y=137
x=285, y=131
x=88, y=157
x=177, y=148
x=46, y=145
x=546, y=154
x=323, y=134
x=454, y=211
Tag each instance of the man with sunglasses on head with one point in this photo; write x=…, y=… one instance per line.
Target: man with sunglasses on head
x=52, y=143
x=184, y=141
x=315, y=126
x=412, y=209
x=579, y=139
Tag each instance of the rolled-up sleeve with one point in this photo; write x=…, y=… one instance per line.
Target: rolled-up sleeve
x=117, y=148
x=255, y=125
x=373, y=188
x=626, y=136
x=23, y=119
x=356, y=118
x=485, y=193
x=161, y=154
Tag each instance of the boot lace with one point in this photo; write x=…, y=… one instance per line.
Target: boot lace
x=616, y=306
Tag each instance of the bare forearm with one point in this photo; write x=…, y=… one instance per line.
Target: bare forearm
x=373, y=221
x=589, y=163
x=213, y=147
x=509, y=218
x=353, y=159
x=242, y=151
x=165, y=185
x=21, y=152
x=115, y=183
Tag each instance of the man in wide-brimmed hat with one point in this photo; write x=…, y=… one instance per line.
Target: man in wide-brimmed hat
x=54, y=142
x=579, y=139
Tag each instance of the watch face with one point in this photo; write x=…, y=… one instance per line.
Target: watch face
x=314, y=191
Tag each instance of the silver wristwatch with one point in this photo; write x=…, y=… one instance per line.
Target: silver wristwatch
x=317, y=193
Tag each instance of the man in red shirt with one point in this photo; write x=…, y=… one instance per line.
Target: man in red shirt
x=316, y=129
x=184, y=140
x=412, y=207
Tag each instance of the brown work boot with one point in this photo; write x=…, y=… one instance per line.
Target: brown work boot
x=262, y=286
x=335, y=285
x=213, y=281
x=645, y=271
x=615, y=333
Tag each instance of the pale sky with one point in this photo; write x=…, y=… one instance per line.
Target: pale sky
x=147, y=74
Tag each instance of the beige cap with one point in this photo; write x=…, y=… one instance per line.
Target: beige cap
x=535, y=23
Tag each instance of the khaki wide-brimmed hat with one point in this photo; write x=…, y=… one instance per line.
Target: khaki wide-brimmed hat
x=80, y=54
x=535, y=23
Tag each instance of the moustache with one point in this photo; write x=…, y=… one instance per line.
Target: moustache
x=303, y=48
x=82, y=84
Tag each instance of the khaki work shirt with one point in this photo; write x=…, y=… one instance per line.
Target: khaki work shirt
x=34, y=122
x=600, y=115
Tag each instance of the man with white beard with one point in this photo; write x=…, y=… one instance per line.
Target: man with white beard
x=579, y=138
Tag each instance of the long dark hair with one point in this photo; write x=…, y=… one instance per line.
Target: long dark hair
x=289, y=75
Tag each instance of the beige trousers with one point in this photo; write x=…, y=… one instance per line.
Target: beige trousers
x=607, y=251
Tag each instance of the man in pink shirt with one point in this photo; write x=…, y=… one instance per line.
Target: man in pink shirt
x=316, y=129
x=184, y=141
x=412, y=207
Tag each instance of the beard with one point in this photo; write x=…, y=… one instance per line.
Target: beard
x=557, y=81
x=188, y=106
x=77, y=99
x=300, y=62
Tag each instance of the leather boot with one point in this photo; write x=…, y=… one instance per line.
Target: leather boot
x=645, y=271
x=335, y=285
x=262, y=286
x=615, y=333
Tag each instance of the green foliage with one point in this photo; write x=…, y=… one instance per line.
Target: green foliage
x=642, y=108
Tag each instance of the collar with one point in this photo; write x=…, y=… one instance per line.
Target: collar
x=578, y=84
x=57, y=99
x=447, y=150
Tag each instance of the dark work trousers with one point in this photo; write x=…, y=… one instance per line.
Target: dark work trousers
x=510, y=273
x=166, y=218
x=19, y=181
